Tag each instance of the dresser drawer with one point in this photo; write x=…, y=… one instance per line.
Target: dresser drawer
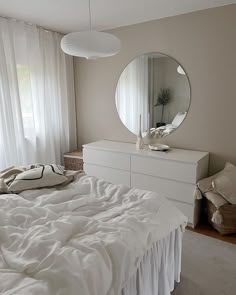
x=170, y=189
x=180, y=171
x=111, y=175
x=187, y=210
x=107, y=159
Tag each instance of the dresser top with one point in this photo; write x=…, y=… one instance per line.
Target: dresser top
x=179, y=155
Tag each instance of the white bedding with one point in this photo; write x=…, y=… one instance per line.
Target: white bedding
x=86, y=239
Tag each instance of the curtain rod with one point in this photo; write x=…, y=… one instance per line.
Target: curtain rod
x=30, y=24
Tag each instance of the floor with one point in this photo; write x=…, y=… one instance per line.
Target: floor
x=208, y=262
x=208, y=266
x=205, y=228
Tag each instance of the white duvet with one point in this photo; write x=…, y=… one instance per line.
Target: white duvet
x=85, y=239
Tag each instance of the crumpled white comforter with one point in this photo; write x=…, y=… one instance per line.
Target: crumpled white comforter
x=86, y=239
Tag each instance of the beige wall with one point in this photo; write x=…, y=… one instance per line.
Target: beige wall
x=205, y=44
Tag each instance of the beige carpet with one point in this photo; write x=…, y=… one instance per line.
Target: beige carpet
x=208, y=266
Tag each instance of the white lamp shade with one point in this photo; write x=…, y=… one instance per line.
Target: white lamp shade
x=90, y=44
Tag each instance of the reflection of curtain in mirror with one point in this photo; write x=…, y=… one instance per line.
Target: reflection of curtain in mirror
x=154, y=80
x=132, y=94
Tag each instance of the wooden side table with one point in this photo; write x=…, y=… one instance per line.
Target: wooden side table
x=73, y=160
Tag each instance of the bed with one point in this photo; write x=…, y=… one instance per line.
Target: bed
x=167, y=129
x=89, y=237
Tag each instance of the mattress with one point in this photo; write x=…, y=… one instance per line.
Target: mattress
x=90, y=238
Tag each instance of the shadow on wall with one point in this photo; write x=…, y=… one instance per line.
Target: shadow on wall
x=217, y=163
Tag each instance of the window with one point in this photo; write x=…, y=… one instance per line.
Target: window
x=24, y=83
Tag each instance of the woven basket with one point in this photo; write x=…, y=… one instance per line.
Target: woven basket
x=73, y=164
x=228, y=213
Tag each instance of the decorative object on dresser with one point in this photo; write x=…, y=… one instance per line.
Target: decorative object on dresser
x=159, y=147
x=173, y=175
x=139, y=142
x=73, y=160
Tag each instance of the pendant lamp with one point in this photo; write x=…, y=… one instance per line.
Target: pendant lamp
x=90, y=44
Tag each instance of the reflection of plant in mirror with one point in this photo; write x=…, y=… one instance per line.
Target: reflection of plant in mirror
x=163, y=99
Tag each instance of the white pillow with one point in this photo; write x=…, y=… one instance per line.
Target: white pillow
x=225, y=183
x=43, y=176
x=178, y=119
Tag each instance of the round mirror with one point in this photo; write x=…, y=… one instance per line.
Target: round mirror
x=156, y=87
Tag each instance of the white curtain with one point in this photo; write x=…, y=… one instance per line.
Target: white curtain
x=37, y=100
x=132, y=94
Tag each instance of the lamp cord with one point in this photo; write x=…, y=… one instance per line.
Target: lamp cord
x=90, y=22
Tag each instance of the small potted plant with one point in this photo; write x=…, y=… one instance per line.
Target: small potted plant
x=163, y=99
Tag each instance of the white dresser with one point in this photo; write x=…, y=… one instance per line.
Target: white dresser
x=173, y=174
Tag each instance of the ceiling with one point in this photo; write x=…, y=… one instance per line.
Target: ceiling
x=72, y=15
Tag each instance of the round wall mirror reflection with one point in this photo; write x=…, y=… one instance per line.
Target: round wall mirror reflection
x=156, y=87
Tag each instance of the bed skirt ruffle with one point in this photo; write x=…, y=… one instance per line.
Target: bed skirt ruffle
x=159, y=269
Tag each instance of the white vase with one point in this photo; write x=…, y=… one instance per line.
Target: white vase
x=147, y=137
x=139, y=142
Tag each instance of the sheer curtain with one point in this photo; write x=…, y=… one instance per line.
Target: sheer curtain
x=132, y=94
x=37, y=100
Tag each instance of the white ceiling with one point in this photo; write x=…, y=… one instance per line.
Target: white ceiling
x=72, y=15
